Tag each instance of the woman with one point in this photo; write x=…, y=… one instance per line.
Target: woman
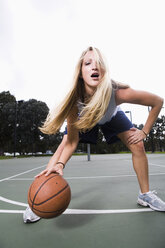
x=94, y=102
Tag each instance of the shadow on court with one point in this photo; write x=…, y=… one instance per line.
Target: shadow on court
x=102, y=213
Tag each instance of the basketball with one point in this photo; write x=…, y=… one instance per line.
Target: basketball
x=49, y=196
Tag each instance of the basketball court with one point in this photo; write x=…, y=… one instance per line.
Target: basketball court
x=102, y=213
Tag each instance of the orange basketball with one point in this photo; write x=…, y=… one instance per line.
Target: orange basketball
x=49, y=196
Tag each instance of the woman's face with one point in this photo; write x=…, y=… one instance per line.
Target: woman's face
x=90, y=73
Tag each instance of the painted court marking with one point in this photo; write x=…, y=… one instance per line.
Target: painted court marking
x=73, y=211
x=13, y=202
x=112, y=176
x=90, y=177
x=158, y=165
x=8, y=178
x=87, y=211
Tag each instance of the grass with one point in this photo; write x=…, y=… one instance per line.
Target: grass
x=6, y=157
x=28, y=156
x=75, y=154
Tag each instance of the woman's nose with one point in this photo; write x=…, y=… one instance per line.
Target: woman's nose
x=94, y=67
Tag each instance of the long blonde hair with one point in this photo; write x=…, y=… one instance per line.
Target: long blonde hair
x=93, y=109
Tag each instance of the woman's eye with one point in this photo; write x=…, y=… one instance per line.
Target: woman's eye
x=87, y=63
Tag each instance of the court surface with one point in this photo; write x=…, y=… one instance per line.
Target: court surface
x=102, y=213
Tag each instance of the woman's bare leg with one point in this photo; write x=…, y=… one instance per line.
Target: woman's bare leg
x=140, y=161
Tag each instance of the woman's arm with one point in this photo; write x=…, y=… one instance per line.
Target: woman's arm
x=142, y=98
x=55, y=158
x=72, y=138
x=66, y=148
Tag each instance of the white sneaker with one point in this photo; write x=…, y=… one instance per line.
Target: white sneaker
x=29, y=216
x=152, y=200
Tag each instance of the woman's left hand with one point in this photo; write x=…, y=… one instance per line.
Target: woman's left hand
x=136, y=136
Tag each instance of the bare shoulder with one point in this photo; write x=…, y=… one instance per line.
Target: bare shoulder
x=125, y=95
x=130, y=95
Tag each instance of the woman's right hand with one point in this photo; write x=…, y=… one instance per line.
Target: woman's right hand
x=58, y=168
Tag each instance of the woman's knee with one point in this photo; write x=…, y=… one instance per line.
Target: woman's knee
x=137, y=148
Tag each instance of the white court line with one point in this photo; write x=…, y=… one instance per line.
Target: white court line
x=109, y=211
x=95, y=177
x=13, y=202
x=4, y=211
x=8, y=178
x=88, y=211
x=21, y=179
x=75, y=211
x=159, y=165
x=92, y=177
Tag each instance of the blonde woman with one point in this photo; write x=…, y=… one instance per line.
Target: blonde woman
x=94, y=102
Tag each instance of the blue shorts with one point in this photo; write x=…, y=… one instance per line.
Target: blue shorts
x=118, y=124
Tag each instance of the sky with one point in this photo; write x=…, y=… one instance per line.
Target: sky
x=42, y=40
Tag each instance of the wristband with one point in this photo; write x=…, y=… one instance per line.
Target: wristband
x=144, y=132
x=61, y=163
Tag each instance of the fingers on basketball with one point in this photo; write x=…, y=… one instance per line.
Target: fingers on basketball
x=48, y=197
x=41, y=173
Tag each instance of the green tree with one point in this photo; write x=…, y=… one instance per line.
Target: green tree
x=156, y=139
x=159, y=131
x=30, y=115
x=7, y=120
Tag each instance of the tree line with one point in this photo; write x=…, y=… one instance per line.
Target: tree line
x=20, y=122
x=19, y=126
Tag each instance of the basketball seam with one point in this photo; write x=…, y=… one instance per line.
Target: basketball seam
x=30, y=194
x=40, y=188
x=49, y=212
x=37, y=204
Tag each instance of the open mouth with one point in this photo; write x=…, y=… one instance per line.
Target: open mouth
x=95, y=75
